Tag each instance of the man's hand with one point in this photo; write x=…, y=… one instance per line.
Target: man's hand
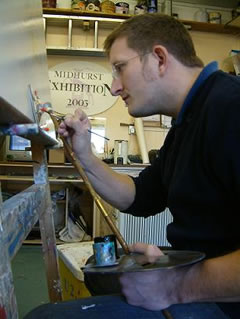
x=75, y=129
x=153, y=290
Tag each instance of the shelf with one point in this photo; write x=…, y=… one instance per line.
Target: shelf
x=94, y=14
x=61, y=171
x=75, y=52
x=13, y=178
x=211, y=27
x=229, y=28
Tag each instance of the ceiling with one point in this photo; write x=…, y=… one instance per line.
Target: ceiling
x=217, y=3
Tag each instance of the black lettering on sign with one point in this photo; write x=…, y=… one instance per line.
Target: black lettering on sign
x=77, y=102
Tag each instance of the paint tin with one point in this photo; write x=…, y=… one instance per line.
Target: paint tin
x=112, y=238
x=214, y=17
x=104, y=251
x=122, y=7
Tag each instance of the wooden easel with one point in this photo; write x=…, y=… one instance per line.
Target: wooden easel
x=20, y=213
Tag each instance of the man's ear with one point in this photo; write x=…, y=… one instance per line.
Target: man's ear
x=162, y=55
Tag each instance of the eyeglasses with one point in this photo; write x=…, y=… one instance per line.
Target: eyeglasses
x=117, y=68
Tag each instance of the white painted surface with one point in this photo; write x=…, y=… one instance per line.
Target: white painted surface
x=23, y=54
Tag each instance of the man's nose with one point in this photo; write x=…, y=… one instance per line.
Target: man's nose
x=116, y=87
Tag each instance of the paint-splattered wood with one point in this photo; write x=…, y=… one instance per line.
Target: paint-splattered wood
x=46, y=223
x=8, y=304
x=20, y=214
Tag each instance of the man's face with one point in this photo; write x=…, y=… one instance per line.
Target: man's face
x=135, y=79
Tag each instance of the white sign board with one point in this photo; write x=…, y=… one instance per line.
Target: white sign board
x=82, y=85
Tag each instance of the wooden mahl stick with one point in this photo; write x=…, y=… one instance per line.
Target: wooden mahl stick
x=71, y=156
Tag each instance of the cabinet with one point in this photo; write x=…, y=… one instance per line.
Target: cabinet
x=17, y=176
x=72, y=23
x=62, y=179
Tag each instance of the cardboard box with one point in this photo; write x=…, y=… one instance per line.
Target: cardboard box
x=56, y=156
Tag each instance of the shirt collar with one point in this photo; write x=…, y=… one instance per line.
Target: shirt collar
x=205, y=73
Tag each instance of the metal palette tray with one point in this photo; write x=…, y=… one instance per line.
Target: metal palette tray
x=138, y=262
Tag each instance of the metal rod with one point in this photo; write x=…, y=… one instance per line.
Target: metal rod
x=69, y=33
x=71, y=156
x=95, y=45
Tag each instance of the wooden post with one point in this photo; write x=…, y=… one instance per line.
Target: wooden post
x=40, y=171
x=8, y=303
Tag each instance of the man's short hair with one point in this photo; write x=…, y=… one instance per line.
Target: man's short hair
x=144, y=31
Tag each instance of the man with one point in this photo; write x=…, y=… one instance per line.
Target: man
x=197, y=174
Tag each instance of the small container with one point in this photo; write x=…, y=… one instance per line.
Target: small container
x=140, y=9
x=112, y=238
x=120, y=152
x=201, y=15
x=152, y=6
x=93, y=5
x=214, y=17
x=108, y=6
x=78, y=5
x=122, y=7
x=104, y=251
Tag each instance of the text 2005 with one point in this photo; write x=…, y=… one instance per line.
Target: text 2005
x=76, y=102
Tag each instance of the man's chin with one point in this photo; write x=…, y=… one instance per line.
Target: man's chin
x=134, y=113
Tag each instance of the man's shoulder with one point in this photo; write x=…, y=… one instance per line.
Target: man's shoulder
x=221, y=78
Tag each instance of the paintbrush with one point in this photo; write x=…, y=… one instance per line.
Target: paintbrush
x=106, y=138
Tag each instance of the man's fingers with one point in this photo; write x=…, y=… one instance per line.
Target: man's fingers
x=146, y=249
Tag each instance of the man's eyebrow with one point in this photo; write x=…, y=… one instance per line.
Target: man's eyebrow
x=117, y=62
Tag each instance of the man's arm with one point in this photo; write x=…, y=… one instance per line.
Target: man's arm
x=117, y=189
x=216, y=279
x=212, y=280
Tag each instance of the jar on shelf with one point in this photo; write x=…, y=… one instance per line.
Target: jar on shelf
x=122, y=7
x=201, y=15
x=93, y=5
x=79, y=4
x=107, y=6
x=141, y=7
x=214, y=17
x=152, y=6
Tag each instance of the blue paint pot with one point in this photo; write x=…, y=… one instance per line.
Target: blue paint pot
x=104, y=251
